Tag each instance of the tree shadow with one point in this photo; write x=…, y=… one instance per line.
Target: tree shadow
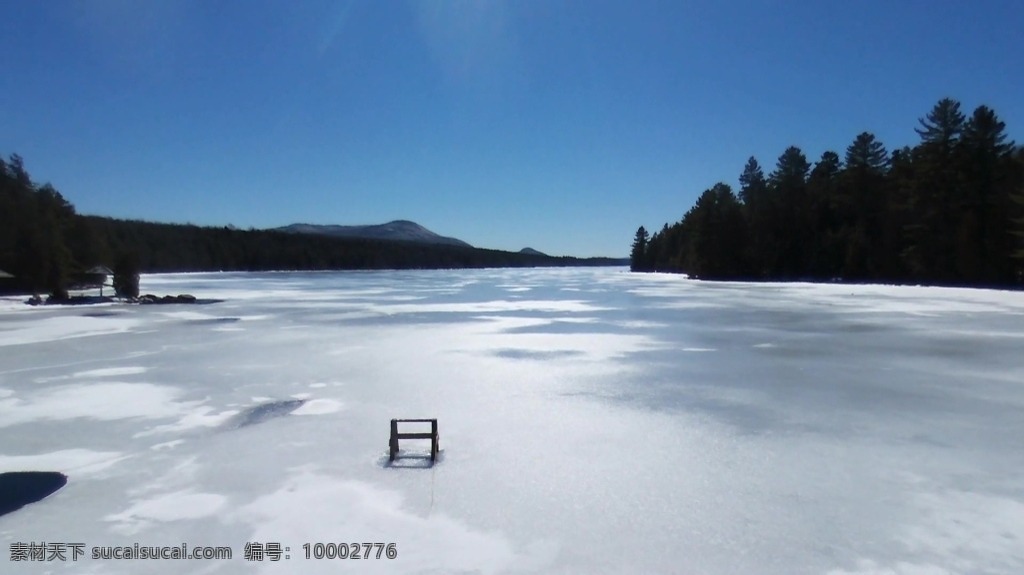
x=410, y=460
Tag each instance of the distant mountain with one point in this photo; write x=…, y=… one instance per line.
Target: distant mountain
x=532, y=252
x=171, y=248
x=398, y=230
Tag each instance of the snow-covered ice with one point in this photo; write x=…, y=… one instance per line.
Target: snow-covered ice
x=591, y=421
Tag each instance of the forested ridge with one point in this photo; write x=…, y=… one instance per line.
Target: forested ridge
x=948, y=211
x=47, y=246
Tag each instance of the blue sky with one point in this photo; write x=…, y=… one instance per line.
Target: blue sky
x=557, y=125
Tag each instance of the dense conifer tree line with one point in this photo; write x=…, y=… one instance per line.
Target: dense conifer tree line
x=47, y=246
x=949, y=211
x=36, y=226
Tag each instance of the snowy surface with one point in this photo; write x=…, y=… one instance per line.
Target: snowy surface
x=592, y=421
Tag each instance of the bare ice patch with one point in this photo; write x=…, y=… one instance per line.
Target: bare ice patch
x=110, y=372
x=64, y=327
x=175, y=506
x=969, y=532
x=319, y=407
x=167, y=445
x=76, y=461
x=101, y=401
x=309, y=505
x=204, y=416
x=494, y=306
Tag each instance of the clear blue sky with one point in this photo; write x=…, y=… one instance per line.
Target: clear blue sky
x=557, y=125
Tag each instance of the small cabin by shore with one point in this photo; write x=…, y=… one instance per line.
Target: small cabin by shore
x=97, y=276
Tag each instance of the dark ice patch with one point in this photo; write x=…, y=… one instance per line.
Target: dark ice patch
x=19, y=488
x=102, y=314
x=264, y=411
x=213, y=320
x=511, y=353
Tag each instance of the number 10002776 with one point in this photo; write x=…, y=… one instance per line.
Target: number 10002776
x=350, y=550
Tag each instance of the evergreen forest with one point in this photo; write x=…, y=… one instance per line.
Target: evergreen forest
x=948, y=211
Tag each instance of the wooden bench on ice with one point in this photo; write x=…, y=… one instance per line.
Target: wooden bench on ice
x=432, y=436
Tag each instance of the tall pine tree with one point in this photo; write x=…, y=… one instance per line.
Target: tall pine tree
x=934, y=195
x=863, y=190
x=984, y=240
x=790, y=226
x=638, y=256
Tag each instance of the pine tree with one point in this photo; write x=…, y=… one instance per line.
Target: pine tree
x=827, y=251
x=863, y=191
x=933, y=224
x=899, y=185
x=868, y=154
x=759, y=211
x=791, y=222
x=126, y=275
x=984, y=240
x=753, y=185
x=638, y=256
x=942, y=125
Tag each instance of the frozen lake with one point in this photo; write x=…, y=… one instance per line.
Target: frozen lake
x=591, y=421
